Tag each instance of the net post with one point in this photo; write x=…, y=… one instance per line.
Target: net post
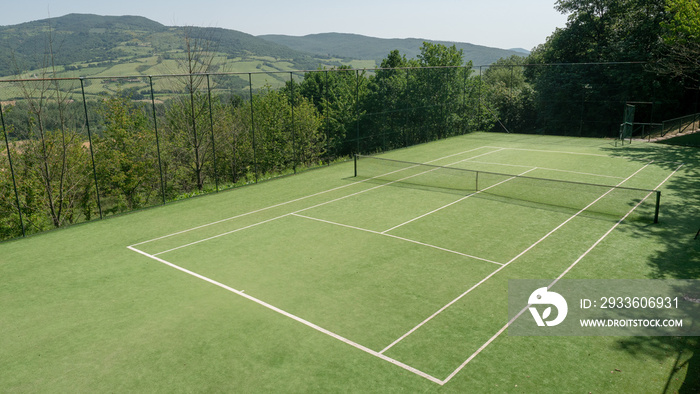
x=476, y=186
x=658, y=202
x=355, y=157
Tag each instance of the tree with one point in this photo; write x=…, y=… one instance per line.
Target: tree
x=335, y=94
x=681, y=39
x=507, y=95
x=281, y=142
x=575, y=97
x=125, y=156
x=607, y=30
x=438, y=94
x=55, y=179
x=52, y=160
x=10, y=222
x=188, y=114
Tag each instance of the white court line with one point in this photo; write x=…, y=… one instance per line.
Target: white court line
x=455, y=202
x=553, y=151
x=294, y=317
x=291, y=213
x=295, y=200
x=397, y=237
x=548, y=169
x=582, y=154
x=318, y=328
x=506, y=264
x=220, y=235
x=502, y=330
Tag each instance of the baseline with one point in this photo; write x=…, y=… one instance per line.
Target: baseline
x=294, y=317
x=548, y=169
x=552, y=151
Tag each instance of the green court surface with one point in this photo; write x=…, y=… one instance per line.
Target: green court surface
x=395, y=279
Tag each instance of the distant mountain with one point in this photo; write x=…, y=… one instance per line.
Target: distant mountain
x=86, y=38
x=356, y=46
x=520, y=50
x=89, y=45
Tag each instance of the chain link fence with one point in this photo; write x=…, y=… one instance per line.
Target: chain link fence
x=79, y=149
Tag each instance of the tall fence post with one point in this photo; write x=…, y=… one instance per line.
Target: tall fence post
x=357, y=110
x=12, y=172
x=294, y=130
x=213, y=143
x=92, y=151
x=252, y=125
x=407, y=131
x=328, y=122
x=481, y=83
x=464, y=101
x=155, y=126
x=197, y=165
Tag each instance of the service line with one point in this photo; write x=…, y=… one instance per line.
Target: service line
x=581, y=257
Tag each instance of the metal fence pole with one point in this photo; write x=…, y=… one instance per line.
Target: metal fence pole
x=407, y=110
x=295, y=158
x=12, y=172
x=252, y=125
x=357, y=110
x=155, y=126
x=328, y=123
x=213, y=143
x=197, y=165
x=92, y=151
x=464, y=101
x=478, y=103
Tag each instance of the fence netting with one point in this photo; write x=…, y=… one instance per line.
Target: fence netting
x=78, y=149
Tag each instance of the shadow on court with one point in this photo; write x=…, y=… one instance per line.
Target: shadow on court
x=677, y=257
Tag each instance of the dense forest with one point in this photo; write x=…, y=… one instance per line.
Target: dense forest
x=68, y=159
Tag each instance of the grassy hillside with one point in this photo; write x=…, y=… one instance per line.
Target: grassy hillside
x=81, y=41
x=370, y=48
x=90, y=45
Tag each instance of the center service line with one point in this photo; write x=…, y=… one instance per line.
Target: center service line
x=596, y=243
x=508, y=263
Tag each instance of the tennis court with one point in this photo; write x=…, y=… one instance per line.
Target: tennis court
x=406, y=257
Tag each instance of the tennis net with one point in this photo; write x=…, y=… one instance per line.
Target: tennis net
x=596, y=199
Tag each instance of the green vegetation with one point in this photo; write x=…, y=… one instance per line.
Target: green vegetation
x=611, y=53
x=208, y=132
x=92, y=45
x=84, y=313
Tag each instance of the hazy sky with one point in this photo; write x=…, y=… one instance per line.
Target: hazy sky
x=496, y=23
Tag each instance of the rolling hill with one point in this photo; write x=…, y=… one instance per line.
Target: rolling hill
x=94, y=45
x=356, y=46
x=80, y=40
